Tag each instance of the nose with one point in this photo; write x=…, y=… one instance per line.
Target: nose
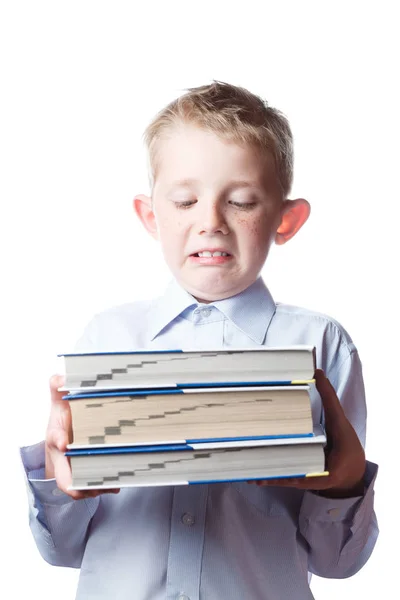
x=212, y=219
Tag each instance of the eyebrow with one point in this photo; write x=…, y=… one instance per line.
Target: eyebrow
x=232, y=186
x=182, y=183
x=237, y=185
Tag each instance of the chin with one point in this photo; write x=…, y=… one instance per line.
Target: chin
x=208, y=294
x=210, y=298
x=213, y=287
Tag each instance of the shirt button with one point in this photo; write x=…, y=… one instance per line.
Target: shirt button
x=205, y=312
x=189, y=520
x=183, y=597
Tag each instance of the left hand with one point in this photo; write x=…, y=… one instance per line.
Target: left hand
x=345, y=457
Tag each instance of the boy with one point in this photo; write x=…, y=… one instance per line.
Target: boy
x=221, y=168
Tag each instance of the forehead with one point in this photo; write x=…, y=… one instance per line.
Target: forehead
x=188, y=152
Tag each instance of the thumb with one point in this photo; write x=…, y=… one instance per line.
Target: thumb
x=334, y=413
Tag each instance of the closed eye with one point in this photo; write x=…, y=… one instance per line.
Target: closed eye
x=185, y=204
x=244, y=205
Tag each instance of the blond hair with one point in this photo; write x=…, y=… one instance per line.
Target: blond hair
x=232, y=113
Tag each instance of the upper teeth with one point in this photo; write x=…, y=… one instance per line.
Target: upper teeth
x=208, y=253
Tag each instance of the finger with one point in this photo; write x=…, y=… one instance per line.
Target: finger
x=80, y=495
x=60, y=415
x=63, y=476
x=280, y=481
x=59, y=439
x=56, y=381
x=59, y=433
x=300, y=483
x=62, y=470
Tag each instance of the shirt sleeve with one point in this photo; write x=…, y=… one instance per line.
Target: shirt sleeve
x=58, y=522
x=341, y=533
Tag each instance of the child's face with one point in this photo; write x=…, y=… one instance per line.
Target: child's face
x=216, y=208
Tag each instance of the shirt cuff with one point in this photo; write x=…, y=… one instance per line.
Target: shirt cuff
x=321, y=508
x=40, y=490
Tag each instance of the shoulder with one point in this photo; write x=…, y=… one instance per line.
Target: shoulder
x=121, y=327
x=336, y=352
x=125, y=312
x=297, y=325
x=309, y=320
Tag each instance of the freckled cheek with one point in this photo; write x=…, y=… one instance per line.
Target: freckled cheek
x=243, y=222
x=256, y=236
x=252, y=228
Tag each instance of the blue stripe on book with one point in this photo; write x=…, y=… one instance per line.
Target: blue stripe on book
x=127, y=392
x=127, y=449
x=207, y=481
x=217, y=384
x=121, y=353
x=249, y=438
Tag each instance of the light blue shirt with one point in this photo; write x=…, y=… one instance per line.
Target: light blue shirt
x=232, y=541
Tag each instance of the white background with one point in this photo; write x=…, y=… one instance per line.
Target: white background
x=79, y=83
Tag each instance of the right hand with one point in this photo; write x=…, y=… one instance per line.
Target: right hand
x=58, y=435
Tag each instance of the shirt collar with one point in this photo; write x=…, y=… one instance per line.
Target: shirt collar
x=251, y=311
x=169, y=306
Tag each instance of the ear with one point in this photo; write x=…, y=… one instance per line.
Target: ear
x=143, y=208
x=295, y=213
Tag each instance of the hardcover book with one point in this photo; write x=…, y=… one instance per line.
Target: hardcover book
x=179, y=417
x=161, y=416
x=185, y=464
x=189, y=368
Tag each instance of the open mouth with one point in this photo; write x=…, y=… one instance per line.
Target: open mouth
x=209, y=254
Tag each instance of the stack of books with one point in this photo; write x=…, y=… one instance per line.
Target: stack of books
x=191, y=416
